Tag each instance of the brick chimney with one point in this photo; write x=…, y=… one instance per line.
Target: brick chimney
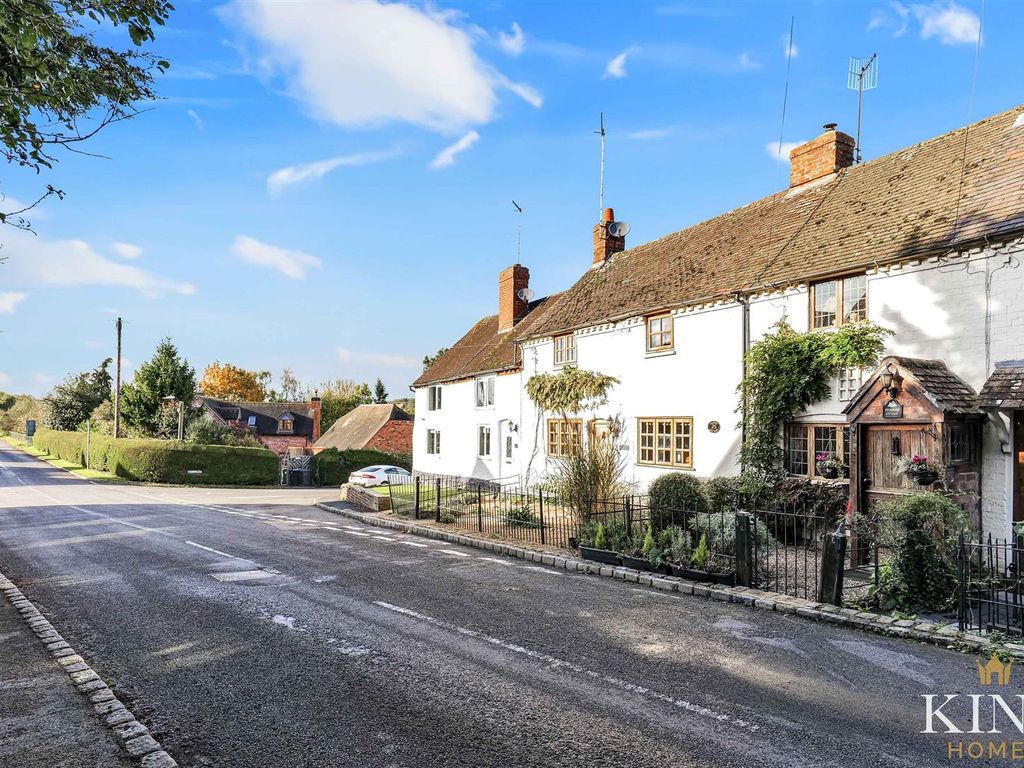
x=828, y=153
x=604, y=244
x=510, y=307
x=314, y=402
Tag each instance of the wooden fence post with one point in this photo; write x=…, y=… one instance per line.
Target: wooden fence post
x=437, y=500
x=833, y=558
x=745, y=566
x=416, y=503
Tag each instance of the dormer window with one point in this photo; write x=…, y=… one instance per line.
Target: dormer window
x=285, y=424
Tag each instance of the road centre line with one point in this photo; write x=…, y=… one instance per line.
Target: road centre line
x=215, y=551
x=561, y=664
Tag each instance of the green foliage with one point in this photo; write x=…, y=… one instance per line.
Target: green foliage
x=162, y=461
x=921, y=531
x=163, y=375
x=338, y=398
x=672, y=494
x=786, y=372
x=570, y=390
x=521, y=516
x=590, y=475
x=71, y=402
x=24, y=407
x=207, y=432
x=429, y=360
x=380, y=392
x=616, y=535
x=600, y=539
x=54, y=74
x=700, y=556
x=332, y=467
x=648, y=543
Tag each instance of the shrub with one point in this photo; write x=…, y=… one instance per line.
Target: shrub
x=521, y=516
x=592, y=472
x=600, y=540
x=701, y=553
x=673, y=496
x=921, y=531
x=206, y=432
x=332, y=467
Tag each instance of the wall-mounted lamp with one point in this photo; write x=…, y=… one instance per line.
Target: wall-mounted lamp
x=891, y=381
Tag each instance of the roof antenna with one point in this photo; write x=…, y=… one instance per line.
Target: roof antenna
x=600, y=209
x=519, y=232
x=863, y=76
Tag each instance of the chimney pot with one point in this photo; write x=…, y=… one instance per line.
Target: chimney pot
x=606, y=245
x=830, y=152
x=609, y=214
x=830, y=126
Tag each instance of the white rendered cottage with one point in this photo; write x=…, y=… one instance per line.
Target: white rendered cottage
x=927, y=241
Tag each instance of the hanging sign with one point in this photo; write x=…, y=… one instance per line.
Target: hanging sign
x=892, y=410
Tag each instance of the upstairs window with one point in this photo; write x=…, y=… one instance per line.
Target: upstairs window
x=659, y=333
x=433, y=441
x=565, y=349
x=285, y=424
x=485, y=392
x=434, y=398
x=837, y=302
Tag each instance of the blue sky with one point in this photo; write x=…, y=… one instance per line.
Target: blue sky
x=327, y=186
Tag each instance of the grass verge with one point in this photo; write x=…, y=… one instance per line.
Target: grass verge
x=75, y=469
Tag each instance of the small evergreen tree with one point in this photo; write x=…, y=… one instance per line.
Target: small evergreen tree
x=380, y=394
x=163, y=375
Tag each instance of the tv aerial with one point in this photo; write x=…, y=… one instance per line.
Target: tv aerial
x=519, y=231
x=863, y=76
x=618, y=228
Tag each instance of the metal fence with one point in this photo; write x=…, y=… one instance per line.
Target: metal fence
x=991, y=590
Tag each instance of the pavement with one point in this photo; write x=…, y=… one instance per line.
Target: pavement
x=247, y=628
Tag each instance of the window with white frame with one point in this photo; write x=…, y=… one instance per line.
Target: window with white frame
x=565, y=349
x=434, y=398
x=849, y=381
x=485, y=392
x=433, y=441
x=483, y=441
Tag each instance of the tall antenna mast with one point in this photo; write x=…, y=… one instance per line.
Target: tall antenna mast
x=600, y=210
x=863, y=76
x=519, y=231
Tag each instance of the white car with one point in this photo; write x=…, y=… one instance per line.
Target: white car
x=382, y=474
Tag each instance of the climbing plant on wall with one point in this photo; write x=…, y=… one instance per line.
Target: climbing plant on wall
x=786, y=372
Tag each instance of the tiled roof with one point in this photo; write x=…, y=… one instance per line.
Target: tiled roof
x=906, y=204
x=266, y=414
x=357, y=427
x=947, y=390
x=1005, y=387
x=483, y=349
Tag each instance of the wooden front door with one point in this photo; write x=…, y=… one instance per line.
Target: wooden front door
x=884, y=445
x=1018, y=465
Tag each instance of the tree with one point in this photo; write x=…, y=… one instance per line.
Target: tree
x=71, y=402
x=233, y=383
x=165, y=374
x=429, y=360
x=24, y=407
x=291, y=390
x=380, y=393
x=54, y=76
x=335, y=403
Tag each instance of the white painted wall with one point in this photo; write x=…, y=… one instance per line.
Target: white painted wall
x=937, y=309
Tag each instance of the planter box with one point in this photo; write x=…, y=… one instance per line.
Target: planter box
x=637, y=563
x=728, y=579
x=365, y=498
x=606, y=556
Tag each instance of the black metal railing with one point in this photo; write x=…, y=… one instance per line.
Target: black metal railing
x=991, y=590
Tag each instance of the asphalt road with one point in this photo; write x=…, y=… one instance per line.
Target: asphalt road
x=249, y=629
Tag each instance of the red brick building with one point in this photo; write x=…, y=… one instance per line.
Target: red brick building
x=279, y=426
x=383, y=427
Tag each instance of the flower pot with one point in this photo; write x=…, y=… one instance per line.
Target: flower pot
x=573, y=542
x=830, y=473
x=637, y=563
x=926, y=477
x=600, y=555
x=728, y=579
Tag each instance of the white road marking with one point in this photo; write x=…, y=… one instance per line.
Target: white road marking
x=495, y=560
x=561, y=664
x=537, y=568
x=382, y=538
x=357, y=533
x=412, y=544
x=211, y=549
x=454, y=552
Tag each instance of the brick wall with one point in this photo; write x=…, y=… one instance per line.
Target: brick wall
x=510, y=306
x=394, y=437
x=820, y=157
x=280, y=444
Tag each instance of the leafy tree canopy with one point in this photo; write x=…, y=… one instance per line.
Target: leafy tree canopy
x=233, y=383
x=71, y=402
x=54, y=76
x=429, y=360
x=165, y=374
x=335, y=403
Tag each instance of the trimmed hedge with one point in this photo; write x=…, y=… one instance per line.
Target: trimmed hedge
x=332, y=467
x=164, y=461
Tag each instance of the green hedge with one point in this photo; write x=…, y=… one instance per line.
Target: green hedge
x=164, y=461
x=332, y=467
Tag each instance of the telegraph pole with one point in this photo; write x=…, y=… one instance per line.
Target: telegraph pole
x=117, y=384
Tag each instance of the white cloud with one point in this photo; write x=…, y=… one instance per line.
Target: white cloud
x=772, y=148
x=512, y=42
x=10, y=300
x=34, y=260
x=197, y=121
x=616, y=68
x=291, y=175
x=789, y=50
x=748, y=62
x=526, y=92
x=346, y=355
x=293, y=264
x=447, y=155
x=951, y=23
x=127, y=250
x=366, y=62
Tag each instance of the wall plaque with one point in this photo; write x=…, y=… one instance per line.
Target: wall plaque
x=714, y=426
x=892, y=410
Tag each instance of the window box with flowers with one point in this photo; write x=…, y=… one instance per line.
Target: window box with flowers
x=829, y=465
